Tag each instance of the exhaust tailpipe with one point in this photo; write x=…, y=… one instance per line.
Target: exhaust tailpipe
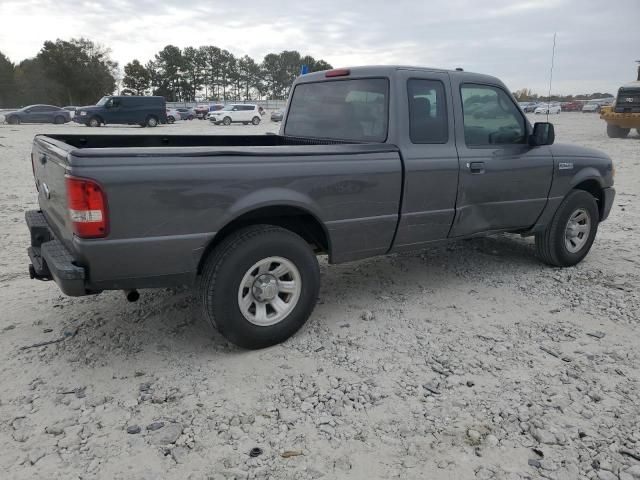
x=132, y=295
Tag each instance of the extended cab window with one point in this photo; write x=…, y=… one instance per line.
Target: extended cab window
x=491, y=117
x=427, y=111
x=340, y=109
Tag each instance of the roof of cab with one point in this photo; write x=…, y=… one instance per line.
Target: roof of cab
x=389, y=70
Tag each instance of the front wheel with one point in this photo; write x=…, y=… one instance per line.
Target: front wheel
x=569, y=236
x=226, y=121
x=170, y=119
x=260, y=285
x=614, y=131
x=255, y=120
x=94, y=122
x=152, y=121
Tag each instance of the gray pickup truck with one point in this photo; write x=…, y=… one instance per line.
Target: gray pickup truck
x=369, y=161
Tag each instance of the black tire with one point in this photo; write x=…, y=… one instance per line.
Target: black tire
x=58, y=120
x=225, y=268
x=151, y=121
x=94, y=122
x=13, y=120
x=245, y=123
x=190, y=117
x=614, y=131
x=226, y=121
x=550, y=244
x=170, y=119
x=255, y=120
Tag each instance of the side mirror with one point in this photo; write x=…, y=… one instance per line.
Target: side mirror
x=543, y=134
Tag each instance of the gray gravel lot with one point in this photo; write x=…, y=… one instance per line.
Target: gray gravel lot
x=469, y=360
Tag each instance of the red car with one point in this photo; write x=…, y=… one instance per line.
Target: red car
x=572, y=106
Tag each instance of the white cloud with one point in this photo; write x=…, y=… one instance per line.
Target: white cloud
x=508, y=38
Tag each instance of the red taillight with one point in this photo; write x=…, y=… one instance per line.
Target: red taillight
x=87, y=205
x=338, y=72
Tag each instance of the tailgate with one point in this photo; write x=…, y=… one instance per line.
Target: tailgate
x=49, y=159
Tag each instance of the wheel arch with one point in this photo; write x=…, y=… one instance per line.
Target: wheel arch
x=593, y=185
x=291, y=215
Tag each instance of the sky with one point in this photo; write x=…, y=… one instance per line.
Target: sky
x=597, y=44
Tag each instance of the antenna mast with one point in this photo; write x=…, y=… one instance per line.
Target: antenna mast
x=553, y=56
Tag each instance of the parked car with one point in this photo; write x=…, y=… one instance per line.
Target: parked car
x=71, y=109
x=527, y=107
x=201, y=111
x=553, y=108
x=594, y=106
x=277, y=115
x=128, y=110
x=369, y=161
x=571, y=106
x=236, y=113
x=173, y=115
x=38, y=114
x=214, y=108
x=186, y=113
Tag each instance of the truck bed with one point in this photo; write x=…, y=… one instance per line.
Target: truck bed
x=168, y=196
x=83, y=142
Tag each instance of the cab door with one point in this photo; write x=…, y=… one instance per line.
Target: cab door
x=425, y=125
x=504, y=183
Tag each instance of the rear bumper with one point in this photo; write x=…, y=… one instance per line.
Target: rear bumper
x=50, y=260
x=608, y=195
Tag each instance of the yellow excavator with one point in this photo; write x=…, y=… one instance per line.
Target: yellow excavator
x=624, y=114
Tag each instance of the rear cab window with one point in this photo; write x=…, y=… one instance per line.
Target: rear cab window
x=427, y=111
x=349, y=109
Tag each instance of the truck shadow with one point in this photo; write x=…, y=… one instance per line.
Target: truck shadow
x=168, y=325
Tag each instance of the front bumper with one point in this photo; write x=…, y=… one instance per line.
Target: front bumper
x=50, y=259
x=608, y=195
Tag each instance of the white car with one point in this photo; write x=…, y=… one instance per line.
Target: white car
x=172, y=115
x=244, y=113
x=550, y=109
x=594, y=106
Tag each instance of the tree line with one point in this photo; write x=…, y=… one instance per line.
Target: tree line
x=212, y=73
x=79, y=72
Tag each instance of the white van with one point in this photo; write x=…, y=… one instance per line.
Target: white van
x=236, y=113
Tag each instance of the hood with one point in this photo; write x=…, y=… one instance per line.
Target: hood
x=567, y=150
x=88, y=108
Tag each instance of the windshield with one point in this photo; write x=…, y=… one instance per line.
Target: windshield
x=340, y=109
x=102, y=101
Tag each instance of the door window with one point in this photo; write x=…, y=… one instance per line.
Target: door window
x=491, y=117
x=427, y=111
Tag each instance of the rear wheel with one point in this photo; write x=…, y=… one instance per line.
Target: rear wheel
x=170, y=119
x=260, y=285
x=569, y=236
x=255, y=120
x=94, y=122
x=14, y=120
x=152, y=121
x=614, y=131
x=58, y=120
x=190, y=117
x=227, y=121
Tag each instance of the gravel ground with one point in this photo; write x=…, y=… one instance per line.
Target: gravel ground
x=469, y=360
